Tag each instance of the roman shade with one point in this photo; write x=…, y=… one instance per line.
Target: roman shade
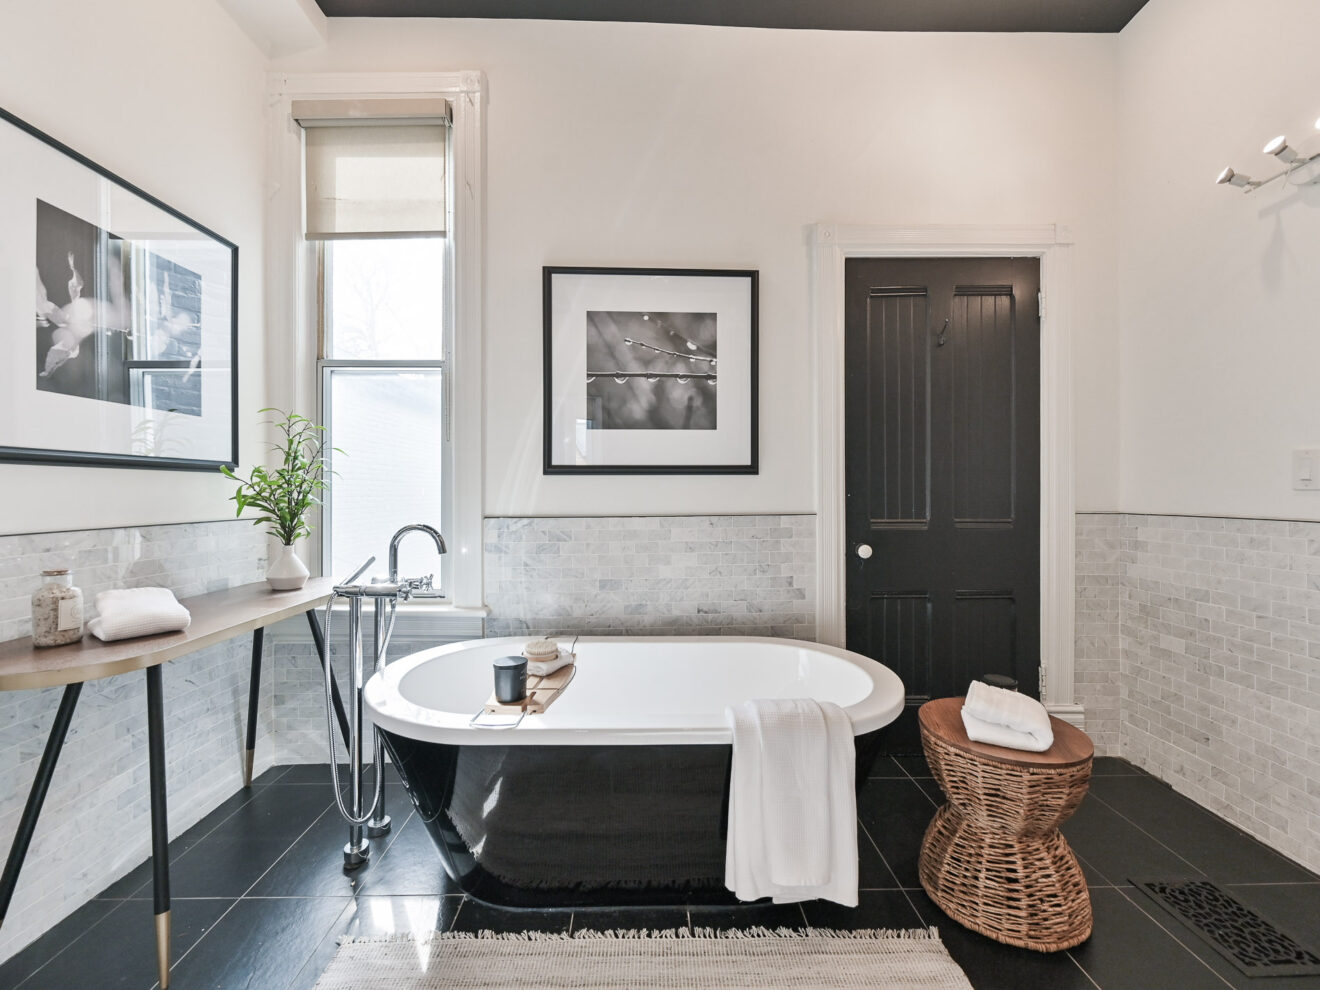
x=373, y=168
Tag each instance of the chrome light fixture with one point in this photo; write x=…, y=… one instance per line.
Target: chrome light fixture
x=1280, y=149
x=1230, y=178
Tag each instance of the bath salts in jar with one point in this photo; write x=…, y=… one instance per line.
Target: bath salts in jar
x=57, y=610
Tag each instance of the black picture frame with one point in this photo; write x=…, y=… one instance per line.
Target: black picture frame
x=682, y=394
x=139, y=369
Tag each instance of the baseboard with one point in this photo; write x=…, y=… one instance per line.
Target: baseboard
x=1072, y=714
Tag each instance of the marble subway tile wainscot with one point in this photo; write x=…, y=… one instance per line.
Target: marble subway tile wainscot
x=95, y=824
x=1218, y=662
x=1101, y=591
x=652, y=575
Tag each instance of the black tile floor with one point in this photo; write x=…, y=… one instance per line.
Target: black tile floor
x=260, y=896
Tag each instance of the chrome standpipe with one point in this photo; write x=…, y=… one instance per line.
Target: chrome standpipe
x=358, y=850
x=385, y=595
x=380, y=822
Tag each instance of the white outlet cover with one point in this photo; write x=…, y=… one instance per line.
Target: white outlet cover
x=1306, y=470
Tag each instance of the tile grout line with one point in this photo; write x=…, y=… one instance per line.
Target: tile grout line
x=124, y=900
x=1149, y=835
x=202, y=838
x=216, y=923
x=64, y=948
x=1090, y=979
x=906, y=896
x=1185, y=947
x=1202, y=809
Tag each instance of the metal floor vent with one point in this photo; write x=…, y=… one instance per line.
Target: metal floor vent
x=1251, y=943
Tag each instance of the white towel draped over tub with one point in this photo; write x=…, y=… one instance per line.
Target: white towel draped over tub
x=126, y=613
x=792, y=802
x=1000, y=717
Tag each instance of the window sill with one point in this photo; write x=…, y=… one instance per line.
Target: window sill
x=428, y=622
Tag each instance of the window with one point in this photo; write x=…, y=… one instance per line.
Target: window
x=383, y=400
x=376, y=212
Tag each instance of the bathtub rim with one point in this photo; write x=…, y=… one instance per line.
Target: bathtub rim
x=386, y=707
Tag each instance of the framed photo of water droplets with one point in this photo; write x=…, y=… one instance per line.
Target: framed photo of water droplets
x=650, y=371
x=130, y=356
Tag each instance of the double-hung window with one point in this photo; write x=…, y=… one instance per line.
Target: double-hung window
x=377, y=216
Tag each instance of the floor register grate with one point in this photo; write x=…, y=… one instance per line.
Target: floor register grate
x=1251, y=943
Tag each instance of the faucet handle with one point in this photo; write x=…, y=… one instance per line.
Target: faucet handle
x=422, y=587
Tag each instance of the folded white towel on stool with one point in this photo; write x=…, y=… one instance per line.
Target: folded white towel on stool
x=792, y=802
x=126, y=613
x=1005, y=718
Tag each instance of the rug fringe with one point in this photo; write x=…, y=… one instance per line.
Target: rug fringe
x=425, y=938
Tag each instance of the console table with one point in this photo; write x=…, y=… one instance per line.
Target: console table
x=216, y=617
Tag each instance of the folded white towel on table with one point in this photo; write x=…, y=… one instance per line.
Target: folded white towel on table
x=1005, y=718
x=792, y=802
x=129, y=612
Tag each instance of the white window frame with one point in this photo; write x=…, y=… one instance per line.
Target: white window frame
x=292, y=296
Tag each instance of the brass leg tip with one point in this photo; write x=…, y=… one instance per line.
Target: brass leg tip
x=247, y=767
x=163, y=949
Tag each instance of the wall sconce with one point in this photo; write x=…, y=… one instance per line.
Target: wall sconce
x=1281, y=150
x=1231, y=178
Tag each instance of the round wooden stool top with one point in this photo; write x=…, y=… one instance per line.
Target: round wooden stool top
x=943, y=719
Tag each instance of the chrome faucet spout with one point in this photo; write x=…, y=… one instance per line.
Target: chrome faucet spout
x=397, y=538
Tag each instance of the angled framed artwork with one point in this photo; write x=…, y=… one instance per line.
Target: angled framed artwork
x=650, y=371
x=130, y=358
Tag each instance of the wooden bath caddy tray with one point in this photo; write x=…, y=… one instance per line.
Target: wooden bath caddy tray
x=542, y=692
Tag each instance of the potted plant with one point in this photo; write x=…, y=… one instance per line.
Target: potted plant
x=284, y=495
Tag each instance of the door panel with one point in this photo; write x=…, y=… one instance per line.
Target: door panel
x=984, y=634
x=942, y=399
x=899, y=626
x=897, y=414
x=981, y=365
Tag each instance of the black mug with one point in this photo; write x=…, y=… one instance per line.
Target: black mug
x=510, y=680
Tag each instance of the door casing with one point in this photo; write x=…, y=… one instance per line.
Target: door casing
x=831, y=245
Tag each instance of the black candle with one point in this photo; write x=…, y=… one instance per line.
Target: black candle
x=510, y=680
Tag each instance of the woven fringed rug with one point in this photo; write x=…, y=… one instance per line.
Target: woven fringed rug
x=745, y=959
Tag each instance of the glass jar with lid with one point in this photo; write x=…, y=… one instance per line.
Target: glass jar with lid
x=57, y=610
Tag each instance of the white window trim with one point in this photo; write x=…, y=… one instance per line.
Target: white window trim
x=292, y=381
x=831, y=246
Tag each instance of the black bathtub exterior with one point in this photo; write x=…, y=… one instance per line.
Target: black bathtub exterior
x=579, y=826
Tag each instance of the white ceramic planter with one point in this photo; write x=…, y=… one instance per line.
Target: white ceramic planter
x=286, y=572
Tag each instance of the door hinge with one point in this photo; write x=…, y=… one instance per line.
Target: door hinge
x=1043, y=692
x=1040, y=304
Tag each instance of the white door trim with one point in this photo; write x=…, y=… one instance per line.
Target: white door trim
x=831, y=245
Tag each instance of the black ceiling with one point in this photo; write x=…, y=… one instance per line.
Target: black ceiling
x=838, y=15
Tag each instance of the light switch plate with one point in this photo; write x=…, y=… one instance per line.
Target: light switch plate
x=1306, y=470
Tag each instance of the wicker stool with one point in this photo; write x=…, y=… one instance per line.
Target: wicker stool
x=993, y=858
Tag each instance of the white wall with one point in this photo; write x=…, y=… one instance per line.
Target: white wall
x=1220, y=341
x=661, y=145
x=167, y=95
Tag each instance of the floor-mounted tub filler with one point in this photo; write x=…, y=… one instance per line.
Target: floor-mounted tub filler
x=618, y=793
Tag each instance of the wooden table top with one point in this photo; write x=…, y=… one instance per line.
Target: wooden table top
x=215, y=617
x=943, y=719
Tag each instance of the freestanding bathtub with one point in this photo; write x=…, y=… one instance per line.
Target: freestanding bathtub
x=619, y=793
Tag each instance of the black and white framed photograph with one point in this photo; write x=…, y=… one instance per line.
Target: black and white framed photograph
x=650, y=371
x=130, y=356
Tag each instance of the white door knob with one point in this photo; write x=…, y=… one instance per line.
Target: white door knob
x=864, y=551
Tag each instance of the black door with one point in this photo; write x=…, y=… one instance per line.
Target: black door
x=942, y=398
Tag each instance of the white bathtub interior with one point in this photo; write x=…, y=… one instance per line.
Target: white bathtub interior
x=637, y=690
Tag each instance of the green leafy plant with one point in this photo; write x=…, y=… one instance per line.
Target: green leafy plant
x=284, y=496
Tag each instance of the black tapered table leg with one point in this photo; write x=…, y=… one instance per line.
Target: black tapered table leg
x=254, y=701
x=318, y=637
x=160, y=829
x=27, y=823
